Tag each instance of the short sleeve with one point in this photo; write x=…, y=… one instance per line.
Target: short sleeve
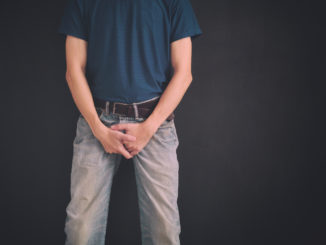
x=73, y=21
x=183, y=21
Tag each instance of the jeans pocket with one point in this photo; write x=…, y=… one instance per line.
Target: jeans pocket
x=88, y=152
x=167, y=133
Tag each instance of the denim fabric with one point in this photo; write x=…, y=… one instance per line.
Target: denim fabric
x=93, y=169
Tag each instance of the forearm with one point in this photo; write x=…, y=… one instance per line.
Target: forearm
x=82, y=96
x=169, y=99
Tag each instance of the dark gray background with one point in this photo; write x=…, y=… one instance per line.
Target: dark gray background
x=251, y=128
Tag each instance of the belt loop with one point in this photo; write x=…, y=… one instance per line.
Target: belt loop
x=107, y=104
x=113, y=109
x=136, y=110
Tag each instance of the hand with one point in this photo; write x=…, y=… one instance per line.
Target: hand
x=142, y=131
x=112, y=140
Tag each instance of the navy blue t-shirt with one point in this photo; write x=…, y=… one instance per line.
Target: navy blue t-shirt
x=128, y=43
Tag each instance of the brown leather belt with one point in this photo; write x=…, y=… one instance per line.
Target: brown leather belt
x=137, y=109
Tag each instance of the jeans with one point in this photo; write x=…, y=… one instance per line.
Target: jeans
x=156, y=172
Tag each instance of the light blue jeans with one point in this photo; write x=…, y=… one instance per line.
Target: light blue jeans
x=156, y=173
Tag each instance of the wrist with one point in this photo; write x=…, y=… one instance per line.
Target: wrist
x=151, y=124
x=96, y=125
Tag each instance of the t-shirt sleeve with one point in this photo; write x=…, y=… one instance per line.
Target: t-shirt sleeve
x=183, y=21
x=73, y=21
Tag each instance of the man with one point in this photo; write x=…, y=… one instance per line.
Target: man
x=128, y=67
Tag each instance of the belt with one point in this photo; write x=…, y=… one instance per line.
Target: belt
x=137, y=109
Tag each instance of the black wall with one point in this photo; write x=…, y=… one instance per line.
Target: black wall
x=251, y=128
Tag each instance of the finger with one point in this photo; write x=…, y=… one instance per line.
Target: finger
x=120, y=126
x=129, y=147
x=125, y=153
x=134, y=152
x=127, y=137
x=124, y=136
x=126, y=146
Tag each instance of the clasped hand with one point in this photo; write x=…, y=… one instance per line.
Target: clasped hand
x=127, y=139
x=142, y=132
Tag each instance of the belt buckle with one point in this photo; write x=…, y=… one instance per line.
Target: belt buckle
x=114, y=108
x=134, y=105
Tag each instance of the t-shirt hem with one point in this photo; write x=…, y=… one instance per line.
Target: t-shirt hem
x=127, y=101
x=191, y=34
x=75, y=34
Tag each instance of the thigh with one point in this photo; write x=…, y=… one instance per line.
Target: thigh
x=156, y=172
x=161, y=150
x=157, y=163
x=87, y=149
x=92, y=168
